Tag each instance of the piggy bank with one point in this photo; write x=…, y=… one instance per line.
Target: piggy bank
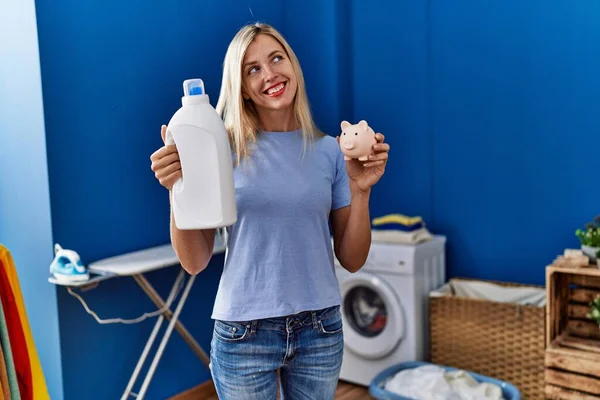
x=356, y=141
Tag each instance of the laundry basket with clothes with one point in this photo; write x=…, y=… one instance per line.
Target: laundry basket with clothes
x=426, y=381
x=492, y=328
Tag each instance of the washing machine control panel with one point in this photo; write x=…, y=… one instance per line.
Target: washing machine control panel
x=390, y=258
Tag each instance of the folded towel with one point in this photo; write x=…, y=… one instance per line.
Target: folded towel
x=397, y=236
x=396, y=219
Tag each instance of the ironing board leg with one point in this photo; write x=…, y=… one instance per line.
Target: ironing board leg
x=183, y=332
x=165, y=339
x=151, y=339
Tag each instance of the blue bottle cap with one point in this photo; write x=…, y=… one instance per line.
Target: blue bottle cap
x=193, y=87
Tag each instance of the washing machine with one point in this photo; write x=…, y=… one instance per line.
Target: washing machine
x=384, y=306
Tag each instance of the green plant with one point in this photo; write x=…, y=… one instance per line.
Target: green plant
x=595, y=310
x=591, y=235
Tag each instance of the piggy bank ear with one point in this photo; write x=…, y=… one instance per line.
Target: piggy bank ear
x=363, y=124
x=345, y=124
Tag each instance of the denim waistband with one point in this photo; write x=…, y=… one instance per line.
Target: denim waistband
x=304, y=318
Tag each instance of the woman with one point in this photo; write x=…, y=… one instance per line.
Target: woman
x=277, y=306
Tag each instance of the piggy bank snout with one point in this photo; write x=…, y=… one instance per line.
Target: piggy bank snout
x=348, y=143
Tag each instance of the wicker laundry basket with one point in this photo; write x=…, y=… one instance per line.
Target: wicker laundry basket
x=501, y=340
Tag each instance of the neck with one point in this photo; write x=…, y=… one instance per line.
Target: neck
x=278, y=120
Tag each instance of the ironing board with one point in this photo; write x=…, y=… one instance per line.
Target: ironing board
x=136, y=264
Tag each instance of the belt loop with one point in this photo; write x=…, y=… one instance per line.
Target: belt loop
x=253, y=326
x=314, y=320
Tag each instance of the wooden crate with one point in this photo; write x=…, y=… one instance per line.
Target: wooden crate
x=572, y=356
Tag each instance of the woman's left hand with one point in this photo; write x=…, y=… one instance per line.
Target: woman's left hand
x=364, y=174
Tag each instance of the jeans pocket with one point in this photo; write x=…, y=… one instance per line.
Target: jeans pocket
x=231, y=331
x=331, y=324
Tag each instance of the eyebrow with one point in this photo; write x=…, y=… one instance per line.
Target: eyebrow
x=271, y=54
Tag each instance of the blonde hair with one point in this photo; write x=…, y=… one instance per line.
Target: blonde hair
x=239, y=115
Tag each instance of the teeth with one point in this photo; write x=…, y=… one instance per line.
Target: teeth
x=275, y=89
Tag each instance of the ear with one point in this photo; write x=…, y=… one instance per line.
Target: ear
x=345, y=124
x=363, y=124
x=245, y=94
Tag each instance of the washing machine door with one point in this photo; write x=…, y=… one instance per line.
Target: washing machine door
x=372, y=315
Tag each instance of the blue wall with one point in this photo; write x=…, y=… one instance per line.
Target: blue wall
x=515, y=100
x=389, y=62
x=25, y=223
x=324, y=56
x=491, y=113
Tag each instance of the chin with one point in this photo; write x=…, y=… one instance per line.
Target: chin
x=281, y=105
x=277, y=104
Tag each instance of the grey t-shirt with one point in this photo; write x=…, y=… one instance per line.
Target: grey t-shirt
x=279, y=257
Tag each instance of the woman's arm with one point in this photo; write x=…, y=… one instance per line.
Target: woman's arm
x=352, y=225
x=352, y=232
x=194, y=248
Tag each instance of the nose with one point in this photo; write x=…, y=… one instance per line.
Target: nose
x=269, y=73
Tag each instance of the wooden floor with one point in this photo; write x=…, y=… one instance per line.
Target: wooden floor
x=206, y=391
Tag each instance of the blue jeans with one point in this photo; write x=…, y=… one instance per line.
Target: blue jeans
x=306, y=350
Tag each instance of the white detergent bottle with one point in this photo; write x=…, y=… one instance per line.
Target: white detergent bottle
x=204, y=197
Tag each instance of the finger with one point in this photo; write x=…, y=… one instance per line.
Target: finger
x=168, y=170
x=162, y=158
x=163, y=152
x=164, y=161
x=378, y=157
x=379, y=137
x=379, y=147
x=373, y=164
x=163, y=133
x=170, y=180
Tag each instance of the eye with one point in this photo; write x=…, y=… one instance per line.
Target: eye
x=344, y=133
x=355, y=133
x=277, y=58
x=252, y=70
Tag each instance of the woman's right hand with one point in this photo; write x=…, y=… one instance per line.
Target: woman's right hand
x=165, y=163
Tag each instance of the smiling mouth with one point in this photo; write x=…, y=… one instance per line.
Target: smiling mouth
x=276, y=90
